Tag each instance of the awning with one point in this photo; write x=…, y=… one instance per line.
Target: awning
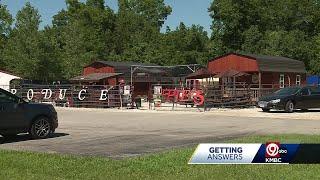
x=231, y=73
x=95, y=77
x=200, y=74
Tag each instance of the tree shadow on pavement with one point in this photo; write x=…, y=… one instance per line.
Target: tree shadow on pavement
x=26, y=137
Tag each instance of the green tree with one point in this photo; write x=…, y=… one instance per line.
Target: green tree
x=154, y=11
x=189, y=45
x=22, y=50
x=315, y=62
x=84, y=32
x=5, y=29
x=284, y=28
x=137, y=30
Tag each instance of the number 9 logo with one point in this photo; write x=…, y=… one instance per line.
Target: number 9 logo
x=272, y=149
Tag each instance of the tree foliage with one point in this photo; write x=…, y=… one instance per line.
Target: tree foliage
x=21, y=54
x=5, y=29
x=283, y=28
x=89, y=30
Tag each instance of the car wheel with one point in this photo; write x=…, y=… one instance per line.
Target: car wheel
x=41, y=128
x=289, y=107
x=265, y=110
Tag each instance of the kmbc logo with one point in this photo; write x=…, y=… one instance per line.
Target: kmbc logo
x=272, y=149
x=274, y=152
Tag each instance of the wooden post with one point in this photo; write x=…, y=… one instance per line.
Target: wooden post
x=260, y=85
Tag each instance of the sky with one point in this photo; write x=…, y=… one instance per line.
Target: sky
x=187, y=11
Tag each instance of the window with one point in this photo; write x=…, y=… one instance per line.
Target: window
x=298, y=80
x=281, y=81
x=305, y=92
x=315, y=90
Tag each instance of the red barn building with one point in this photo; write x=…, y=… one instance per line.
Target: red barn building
x=264, y=71
x=142, y=76
x=112, y=73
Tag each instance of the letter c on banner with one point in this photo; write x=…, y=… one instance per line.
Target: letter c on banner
x=30, y=97
x=79, y=95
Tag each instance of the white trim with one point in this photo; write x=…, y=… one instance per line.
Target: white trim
x=281, y=80
x=298, y=80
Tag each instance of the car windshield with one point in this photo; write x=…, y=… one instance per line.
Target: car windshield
x=287, y=91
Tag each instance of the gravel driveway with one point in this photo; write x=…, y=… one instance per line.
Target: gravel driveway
x=116, y=133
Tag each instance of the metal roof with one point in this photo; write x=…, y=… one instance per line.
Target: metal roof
x=278, y=63
x=94, y=77
x=230, y=73
x=273, y=63
x=122, y=63
x=125, y=68
x=201, y=73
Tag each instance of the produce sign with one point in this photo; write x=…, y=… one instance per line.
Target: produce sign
x=71, y=95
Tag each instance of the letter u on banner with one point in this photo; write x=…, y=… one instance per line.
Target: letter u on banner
x=62, y=94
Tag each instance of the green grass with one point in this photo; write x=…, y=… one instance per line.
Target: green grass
x=167, y=165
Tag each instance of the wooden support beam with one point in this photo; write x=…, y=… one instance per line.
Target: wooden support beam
x=260, y=85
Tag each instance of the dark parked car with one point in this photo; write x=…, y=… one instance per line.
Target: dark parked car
x=18, y=116
x=292, y=98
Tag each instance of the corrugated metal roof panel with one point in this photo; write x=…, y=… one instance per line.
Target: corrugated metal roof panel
x=278, y=64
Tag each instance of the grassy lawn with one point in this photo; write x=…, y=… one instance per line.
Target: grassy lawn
x=167, y=165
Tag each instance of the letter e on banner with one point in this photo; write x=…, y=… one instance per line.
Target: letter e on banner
x=104, y=95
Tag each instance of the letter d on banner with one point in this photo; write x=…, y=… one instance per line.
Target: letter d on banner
x=45, y=93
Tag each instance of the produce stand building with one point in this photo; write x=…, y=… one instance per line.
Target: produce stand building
x=263, y=71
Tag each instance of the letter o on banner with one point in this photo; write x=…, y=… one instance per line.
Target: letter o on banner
x=80, y=93
x=30, y=97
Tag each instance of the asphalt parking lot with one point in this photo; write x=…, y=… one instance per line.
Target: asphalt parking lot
x=117, y=134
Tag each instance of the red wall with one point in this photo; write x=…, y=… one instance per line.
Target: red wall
x=97, y=68
x=234, y=62
x=112, y=81
x=248, y=65
x=274, y=78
